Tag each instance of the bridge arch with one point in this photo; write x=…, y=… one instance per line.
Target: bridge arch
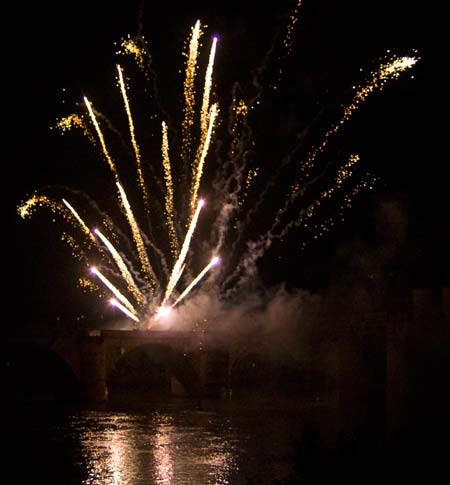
x=263, y=363
x=153, y=366
x=36, y=373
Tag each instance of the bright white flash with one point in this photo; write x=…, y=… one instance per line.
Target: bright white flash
x=163, y=311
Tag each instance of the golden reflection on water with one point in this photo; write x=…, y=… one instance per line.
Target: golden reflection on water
x=120, y=449
x=162, y=452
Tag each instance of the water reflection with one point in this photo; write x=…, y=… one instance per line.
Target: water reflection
x=228, y=442
x=155, y=448
x=162, y=451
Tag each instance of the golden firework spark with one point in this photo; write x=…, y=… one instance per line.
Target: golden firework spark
x=137, y=153
x=27, y=208
x=130, y=47
x=140, y=246
x=169, y=191
x=189, y=90
x=390, y=69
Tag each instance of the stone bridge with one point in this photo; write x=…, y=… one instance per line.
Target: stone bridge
x=206, y=363
x=183, y=354
x=196, y=364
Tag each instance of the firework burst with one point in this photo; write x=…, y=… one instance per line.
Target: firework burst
x=186, y=204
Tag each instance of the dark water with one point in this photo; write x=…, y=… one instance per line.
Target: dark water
x=259, y=441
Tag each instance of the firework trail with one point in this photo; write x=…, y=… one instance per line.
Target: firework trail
x=178, y=267
x=137, y=237
x=142, y=183
x=124, y=271
x=124, y=309
x=214, y=261
x=189, y=91
x=114, y=290
x=239, y=187
x=169, y=191
x=110, y=161
x=83, y=225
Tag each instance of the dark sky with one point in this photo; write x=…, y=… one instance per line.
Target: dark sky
x=55, y=54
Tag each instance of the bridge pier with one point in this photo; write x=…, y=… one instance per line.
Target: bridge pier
x=93, y=368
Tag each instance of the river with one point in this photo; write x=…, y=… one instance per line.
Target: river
x=258, y=440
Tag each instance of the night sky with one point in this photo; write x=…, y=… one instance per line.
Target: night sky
x=57, y=54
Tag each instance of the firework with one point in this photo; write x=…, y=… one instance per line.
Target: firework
x=169, y=192
x=178, y=267
x=123, y=309
x=114, y=290
x=124, y=271
x=123, y=90
x=214, y=261
x=165, y=239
